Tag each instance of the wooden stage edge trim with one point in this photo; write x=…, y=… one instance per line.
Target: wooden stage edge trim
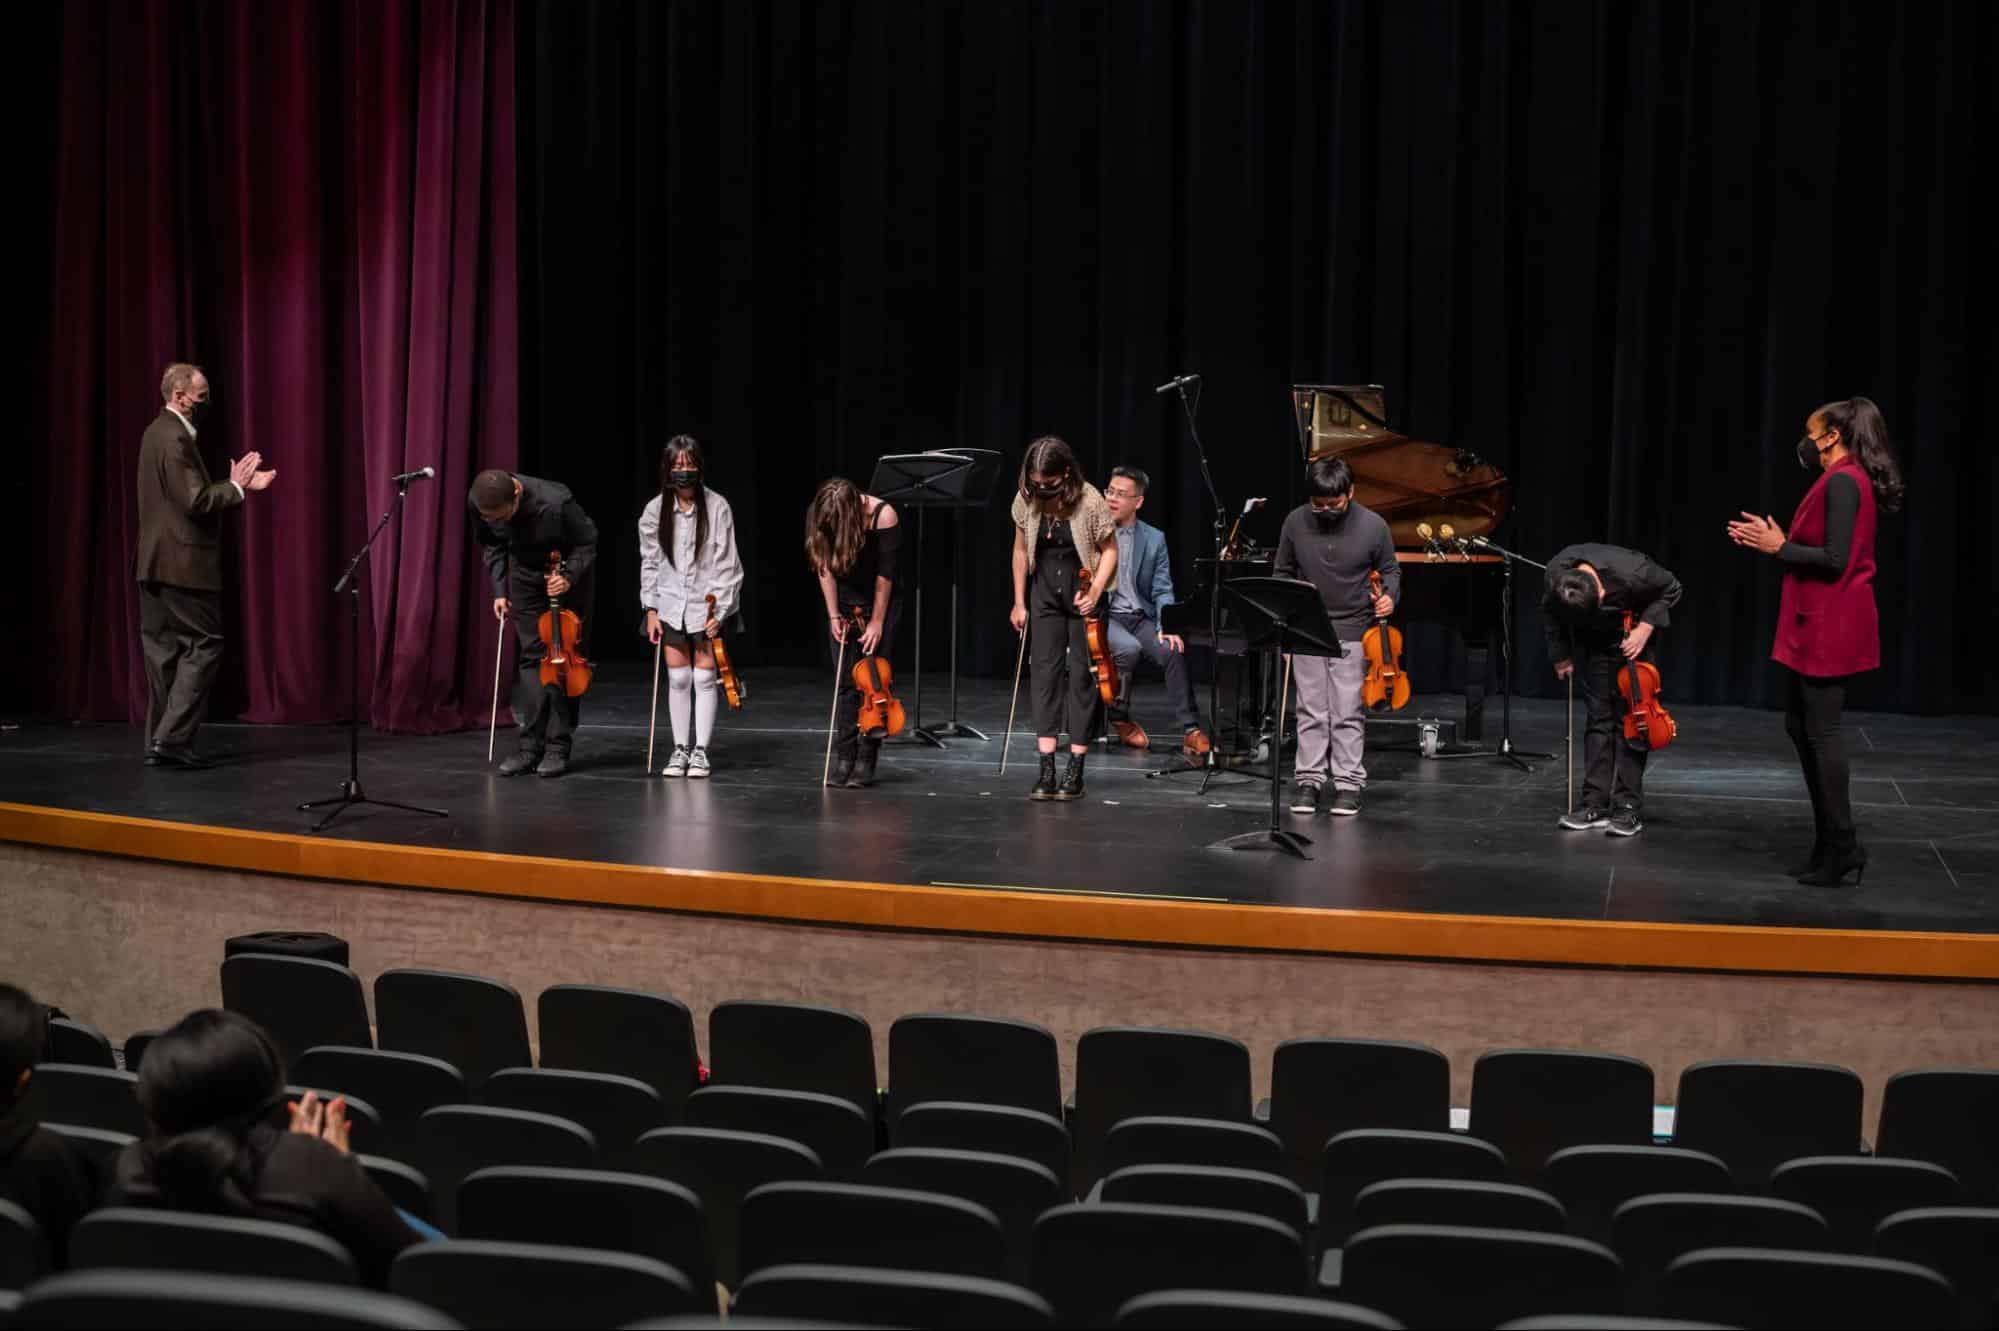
x=1034, y=914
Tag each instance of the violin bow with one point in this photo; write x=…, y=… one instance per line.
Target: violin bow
x=1007, y=740
x=1569, y=753
x=652, y=723
x=833, y=713
x=493, y=721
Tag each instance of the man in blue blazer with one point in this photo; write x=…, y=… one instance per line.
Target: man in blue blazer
x=1145, y=583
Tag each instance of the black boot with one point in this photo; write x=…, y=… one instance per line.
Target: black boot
x=843, y=767
x=1072, y=780
x=863, y=774
x=1812, y=862
x=1840, y=860
x=1044, y=786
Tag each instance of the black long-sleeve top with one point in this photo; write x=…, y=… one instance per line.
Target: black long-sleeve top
x=41, y=1174
x=549, y=518
x=1631, y=581
x=1842, y=509
x=1336, y=555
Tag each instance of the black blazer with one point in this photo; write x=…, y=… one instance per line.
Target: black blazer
x=180, y=508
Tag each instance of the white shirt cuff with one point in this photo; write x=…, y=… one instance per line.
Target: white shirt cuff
x=239, y=491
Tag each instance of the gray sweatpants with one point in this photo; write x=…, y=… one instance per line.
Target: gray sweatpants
x=1332, y=725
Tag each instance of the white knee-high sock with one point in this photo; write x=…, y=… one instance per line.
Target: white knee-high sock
x=704, y=706
x=679, y=701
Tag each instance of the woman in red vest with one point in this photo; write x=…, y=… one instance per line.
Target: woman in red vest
x=1827, y=628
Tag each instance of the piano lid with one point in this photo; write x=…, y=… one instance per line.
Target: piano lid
x=1405, y=480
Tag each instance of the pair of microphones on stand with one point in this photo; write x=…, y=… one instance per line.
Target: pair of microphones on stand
x=1440, y=543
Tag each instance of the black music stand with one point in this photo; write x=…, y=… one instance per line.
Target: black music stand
x=1505, y=752
x=1279, y=615
x=937, y=479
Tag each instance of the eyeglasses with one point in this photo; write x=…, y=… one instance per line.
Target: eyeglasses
x=1115, y=493
x=1329, y=505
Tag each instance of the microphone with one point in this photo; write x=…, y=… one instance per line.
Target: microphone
x=420, y=474
x=1178, y=381
x=1451, y=538
x=1432, y=552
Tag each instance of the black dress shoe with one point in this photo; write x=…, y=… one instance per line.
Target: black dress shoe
x=1811, y=863
x=517, y=762
x=153, y=759
x=186, y=758
x=553, y=763
x=1839, y=862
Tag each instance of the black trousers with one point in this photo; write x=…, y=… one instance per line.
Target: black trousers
x=1058, y=649
x=847, y=711
x=543, y=717
x=180, y=630
x=1813, y=709
x=1613, y=770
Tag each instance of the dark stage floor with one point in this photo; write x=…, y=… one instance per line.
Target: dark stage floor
x=1726, y=811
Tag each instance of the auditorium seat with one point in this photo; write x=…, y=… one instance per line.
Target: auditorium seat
x=1593, y=1181
x=832, y=1127
x=98, y=1147
x=958, y=1125
x=617, y=1110
x=852, y=1224
x=74, y=1042
x=1945, y=1116
x=1090, y=1258
x=136, y=1238
x=87, y=1097
x=1254, y=1192
x=981, y=1060
x=401, y=1087
x=1127, y=1071
x=722, y=1167
x=1201, y=1308
x=1448, y=1276
x=1014, y=1190
x=873, y=1296
x=1357, y=1158
x=1650, y=1233
x=299, y=1001
x=454, y=1141
x=484, y=1283
x=1856, y=1193
x=1170, y=1140
x=624, y=1032
x=407, y=1186
x=1758, y=1287
x=1438, y=1201
x=24, y=1254
x=1320, y=1088
x=1756, y=1114
x=589, y=1208
x=135, y=1048
x=228, y=1303
x=794, y=1047
x=475, y=1024
x=1959, y=1242
x=1531, y=1103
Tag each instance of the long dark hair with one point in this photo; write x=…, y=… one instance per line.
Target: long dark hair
x=1051, y=456
x=682, y=446
x=1865, y=435
x=836, y=526
x=208, y=1086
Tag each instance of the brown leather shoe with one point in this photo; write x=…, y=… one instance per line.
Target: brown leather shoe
x=1196, y=743
x=1131, y=735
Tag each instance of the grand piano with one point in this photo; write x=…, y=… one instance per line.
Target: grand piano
x=1452, y=492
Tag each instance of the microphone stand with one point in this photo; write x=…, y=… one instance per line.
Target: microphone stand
x=1211, y=763
x=351, y=793
x=1506, y=753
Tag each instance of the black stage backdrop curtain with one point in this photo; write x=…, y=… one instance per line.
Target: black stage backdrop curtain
x=1621, y=250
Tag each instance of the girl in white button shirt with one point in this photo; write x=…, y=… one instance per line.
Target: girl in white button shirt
x=682, y=562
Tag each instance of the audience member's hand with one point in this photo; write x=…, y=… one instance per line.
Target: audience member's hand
x=326, y=1121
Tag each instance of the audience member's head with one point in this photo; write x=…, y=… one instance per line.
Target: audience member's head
x=208, y=1086
x=24, y=1041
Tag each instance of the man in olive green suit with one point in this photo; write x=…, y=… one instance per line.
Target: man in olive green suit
x=180, y=565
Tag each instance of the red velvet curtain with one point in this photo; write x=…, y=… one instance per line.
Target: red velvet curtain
x=315, y=202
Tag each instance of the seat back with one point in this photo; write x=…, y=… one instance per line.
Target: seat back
x=486, y=1283
x=1756, y=1114
x=75, y=1042
x=1945, y=1116
x=589, y=1208
x=834, y=1129
x=794, y=1047
x=301, y=1002
x=850, y=1224
x=1531, y=1103
x=1775, y=1287
x=407, y=1186
x=1166, y=1140
x=983, y=1060
x=1593, y=1181
x=132, y=1238
x=24, y=1253
x=476, y=1024
x=1090, y=1258
x=624, y=1032
x=722, y=1167
x=98, y=1147
x=871, y=1296
x=1014, y=1190
x=617, y=1110
x=1439, y=1201
x=228, y=1303
x=1217, y=1188
x=1362, y=1156
x=1960, y=1242
x=957, y=1125
x=454, y=1141
x=1650, y=1233
x=1458, y=1275
x=86, y=1097
x=1320, y=1088
x=135, y=1048
x=1129, y=1071
x=1220, y=1307
x=1856, y=1193
x=401, y=1087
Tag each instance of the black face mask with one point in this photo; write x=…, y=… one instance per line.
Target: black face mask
x=1045, y=489
x=1809, y=453
x=684, y=479
x=1330, y=517
x=197, y=410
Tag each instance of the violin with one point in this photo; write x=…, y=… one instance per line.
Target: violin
x=1647, y=724
x=733, y=687
x=1102, y=664
x=562, y=666
x=1387, y=684
x=881, y=711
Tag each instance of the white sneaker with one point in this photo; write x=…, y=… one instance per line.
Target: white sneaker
x=697, y=763
x=677, y=764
